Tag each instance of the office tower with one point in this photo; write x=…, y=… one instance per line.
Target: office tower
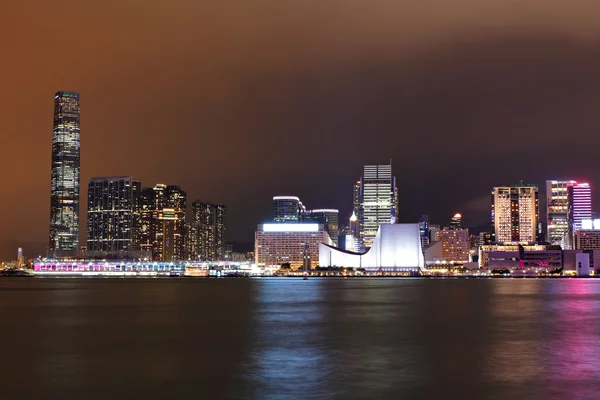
x=329, y=218
x=377, y=201
x=424, y=230
x=209, y=221
x=515, y=213
x=579, y=205
x=456, y=221
x=110, y=214
x=64, y=183
x=280, y=243
x=288, y=209
x=557, y=210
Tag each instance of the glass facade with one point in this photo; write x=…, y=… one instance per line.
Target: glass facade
x=110, y=214
x=329, y=218
x=557, y=206
x=64, y=183
x=378, y=201
x=287, y=209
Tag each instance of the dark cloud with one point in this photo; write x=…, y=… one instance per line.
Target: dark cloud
x=239, y=101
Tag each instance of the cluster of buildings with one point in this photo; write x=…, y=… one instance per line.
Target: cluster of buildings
x=124, y=219
x=151, y=224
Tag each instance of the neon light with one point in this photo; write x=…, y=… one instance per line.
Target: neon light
x=331, y=210
x=286, y=198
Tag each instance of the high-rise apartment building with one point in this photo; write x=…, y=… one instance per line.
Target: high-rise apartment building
x=64, y=183
x=329, y=218
x=378, y=202
x=209, y=223
x=110, y=214
x=515, y=214
x=159, y=219
x=579, y=197
x=557, y=210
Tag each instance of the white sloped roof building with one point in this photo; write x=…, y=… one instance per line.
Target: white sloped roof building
x=397, y=247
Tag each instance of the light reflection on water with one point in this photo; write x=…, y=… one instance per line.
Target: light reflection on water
x=295, y=339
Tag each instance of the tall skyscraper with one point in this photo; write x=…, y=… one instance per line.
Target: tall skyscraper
x=329, y=218
x=378, y=201
x=515, y=213
x=209, y=223
x=110, y=214
x=171, y=203
x=159, y=220
x=557, y=210
x=64, y=183
x=579, y=197
x=288, y=209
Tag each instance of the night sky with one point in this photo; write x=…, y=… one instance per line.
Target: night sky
x=237, y=101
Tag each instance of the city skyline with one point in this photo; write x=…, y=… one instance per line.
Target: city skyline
x=397, y=93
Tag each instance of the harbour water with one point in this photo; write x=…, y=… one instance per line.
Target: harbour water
x=186, y=338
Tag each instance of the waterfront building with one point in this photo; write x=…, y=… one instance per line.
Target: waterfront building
x=515, y=214
x=64, y=181
x=579, y=206
x=455, y=244
x=378, y=201
x=525, y=260
x=169, y=225
x=396, y=248
x=110, y=214
x=209, y=223
x=159, y=219
x=557, y=206
x=281, y=243
x=587, y=239
x=485, y=250
x=288, y=209
x=329, y=218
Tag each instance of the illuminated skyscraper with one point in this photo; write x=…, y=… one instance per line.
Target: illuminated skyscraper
x=110, y=214
x=579, y=197
x=209, y=224
x=557, y=210
x=329, y=218
x=64, y=183
x=515, y=213
x=288, y=209
x=378, y=201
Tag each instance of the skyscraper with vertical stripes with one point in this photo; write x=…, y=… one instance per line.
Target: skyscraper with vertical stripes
x=64, y=181
x=580, y=207
x=378, y=202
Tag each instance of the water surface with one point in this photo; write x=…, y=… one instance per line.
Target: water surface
x=294, y=339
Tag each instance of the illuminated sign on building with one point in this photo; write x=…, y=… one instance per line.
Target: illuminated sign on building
x=290, y=227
